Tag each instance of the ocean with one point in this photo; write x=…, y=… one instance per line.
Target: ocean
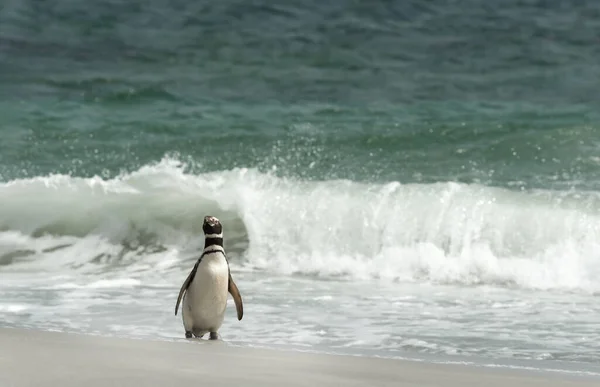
x=401, y=179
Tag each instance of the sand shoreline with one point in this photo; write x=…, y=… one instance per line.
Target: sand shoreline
x=41, y=358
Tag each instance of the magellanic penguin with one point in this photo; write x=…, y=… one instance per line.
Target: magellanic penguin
x=207, y=285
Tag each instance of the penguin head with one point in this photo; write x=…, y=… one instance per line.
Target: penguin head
x=212, y=226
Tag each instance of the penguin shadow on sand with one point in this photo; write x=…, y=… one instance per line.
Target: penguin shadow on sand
x=206, y=288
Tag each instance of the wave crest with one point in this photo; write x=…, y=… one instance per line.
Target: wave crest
x=444, y=232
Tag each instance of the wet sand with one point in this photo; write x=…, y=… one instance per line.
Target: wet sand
x=38, y=358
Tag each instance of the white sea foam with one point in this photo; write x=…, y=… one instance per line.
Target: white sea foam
x=447, y=232
x=12, y=308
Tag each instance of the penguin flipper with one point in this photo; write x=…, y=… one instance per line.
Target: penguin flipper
x=185, y=285
x=237, y=298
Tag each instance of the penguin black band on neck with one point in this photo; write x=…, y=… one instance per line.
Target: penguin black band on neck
x=208, y=250
x=212, y=249
x=213, y=242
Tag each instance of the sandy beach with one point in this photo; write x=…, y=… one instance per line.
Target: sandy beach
x=38, y=358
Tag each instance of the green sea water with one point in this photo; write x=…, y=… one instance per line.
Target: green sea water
x=385, y=91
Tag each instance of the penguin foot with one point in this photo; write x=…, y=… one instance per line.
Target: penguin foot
x=188, y=335
x=214, y=336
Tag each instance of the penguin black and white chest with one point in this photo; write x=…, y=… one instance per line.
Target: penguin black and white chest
x=206, y=288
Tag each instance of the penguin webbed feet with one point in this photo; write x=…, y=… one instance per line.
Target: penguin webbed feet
x=212, y=335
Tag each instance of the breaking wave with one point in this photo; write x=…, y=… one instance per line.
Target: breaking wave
x=444, y=232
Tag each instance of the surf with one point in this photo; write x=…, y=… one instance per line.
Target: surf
x=446, y=232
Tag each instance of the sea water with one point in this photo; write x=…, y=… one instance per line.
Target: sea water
x=395, y=179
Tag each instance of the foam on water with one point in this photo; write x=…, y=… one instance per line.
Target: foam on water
x=443, y=233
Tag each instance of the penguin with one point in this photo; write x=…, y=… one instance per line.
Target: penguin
x=205, y=289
